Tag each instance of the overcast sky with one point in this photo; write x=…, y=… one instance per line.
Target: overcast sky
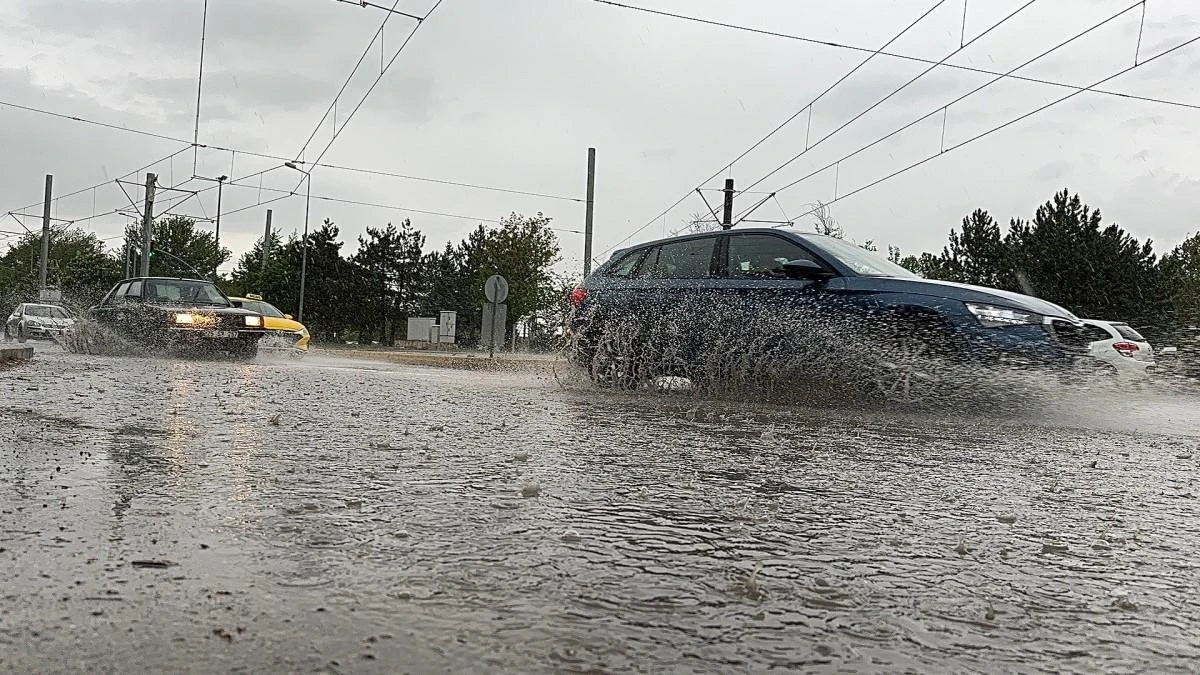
x=511, y=93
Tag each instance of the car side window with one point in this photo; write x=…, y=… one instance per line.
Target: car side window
x=119, y=295
x=134, y=290
x=625, y=266
x=688, y=259
x=761, y=256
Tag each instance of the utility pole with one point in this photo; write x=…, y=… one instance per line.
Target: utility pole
x=45, y=233
x=727, y=216
x=591, y=203
x=266, y=252
x=148, y=224
x=220, y=185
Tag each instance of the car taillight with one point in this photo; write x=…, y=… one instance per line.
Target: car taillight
x=1125, y=348
x=578, y=296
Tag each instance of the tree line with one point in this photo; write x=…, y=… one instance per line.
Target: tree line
x=366, y=296
x=1067, y=255
x=1064, y=253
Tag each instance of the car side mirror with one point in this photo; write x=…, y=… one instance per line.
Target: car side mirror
x=236, y=303
x=805, y=269
x=288, y=317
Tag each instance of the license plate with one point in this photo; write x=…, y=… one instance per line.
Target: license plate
x=220, y=333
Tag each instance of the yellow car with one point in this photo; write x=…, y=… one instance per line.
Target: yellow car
x=282, y=331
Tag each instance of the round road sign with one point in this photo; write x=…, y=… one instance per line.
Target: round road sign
x=495, y=289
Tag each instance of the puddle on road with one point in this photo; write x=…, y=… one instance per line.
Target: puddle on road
x=320, y=506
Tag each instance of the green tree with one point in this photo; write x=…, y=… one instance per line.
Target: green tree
x=180, y=250
x=523, y=250
x=1181, y=272
x=977, y=255
x=248, y=276
x=78, y=265
x=1064, y=255
x=389, y=264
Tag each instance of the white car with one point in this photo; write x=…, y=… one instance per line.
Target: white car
x=1120, y=346
x=32, y=320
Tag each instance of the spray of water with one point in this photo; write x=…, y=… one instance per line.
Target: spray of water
x=809, y=356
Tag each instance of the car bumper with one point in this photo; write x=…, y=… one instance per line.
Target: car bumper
x=200, y=336
x=44, y=332
x=1019, y=346
x=285, y=341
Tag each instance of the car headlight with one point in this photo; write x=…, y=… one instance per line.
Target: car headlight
x=185, y=318
x=992, y=316
x=254, y=321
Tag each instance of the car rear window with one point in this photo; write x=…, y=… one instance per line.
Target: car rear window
x=624, y=267
x=1128, y=332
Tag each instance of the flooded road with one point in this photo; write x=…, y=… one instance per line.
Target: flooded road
x=342, y=516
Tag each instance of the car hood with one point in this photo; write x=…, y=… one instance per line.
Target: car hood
x=280, y=323
x=969, y=293
x=203, y=309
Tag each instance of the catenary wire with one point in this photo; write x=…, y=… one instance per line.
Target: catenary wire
x=349, y=78
x=400, y=50
x=1004, y=125
x=774, y=131
x=894, y=55
x=959, y=99
x=895, y=91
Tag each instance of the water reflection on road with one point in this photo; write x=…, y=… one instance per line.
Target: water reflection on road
x=365, y=517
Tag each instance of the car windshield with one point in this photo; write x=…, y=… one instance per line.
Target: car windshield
x=182, y=291
x=264, y=308
x=48, y=311
x=861, y=260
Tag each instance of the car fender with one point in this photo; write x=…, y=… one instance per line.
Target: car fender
x=913, y=306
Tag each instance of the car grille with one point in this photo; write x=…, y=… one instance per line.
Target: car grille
x=1070, y=337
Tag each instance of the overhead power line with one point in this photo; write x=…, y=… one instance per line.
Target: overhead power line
x=901, y=57
x=353, y=71
x=897, y=90
x=262, y=155
x=400, y=50
x=841, y=79
x=944, y=107
x=1007, y=124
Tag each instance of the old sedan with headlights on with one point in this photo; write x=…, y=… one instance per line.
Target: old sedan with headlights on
x=186, y=314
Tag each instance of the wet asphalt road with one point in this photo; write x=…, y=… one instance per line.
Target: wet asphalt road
x=332, y=515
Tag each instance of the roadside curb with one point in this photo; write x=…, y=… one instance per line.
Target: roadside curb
x=449, y=361
x=13, y=354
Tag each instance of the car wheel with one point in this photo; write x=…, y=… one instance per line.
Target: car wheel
x=910, y=364
x=615, y=361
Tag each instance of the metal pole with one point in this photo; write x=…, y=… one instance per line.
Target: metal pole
x=217, y=236
x=727, y=215
x=304, y=255
x=591, y=203
x=45, y=233
x=199, y=90
x=266, y=253
x=148, y=224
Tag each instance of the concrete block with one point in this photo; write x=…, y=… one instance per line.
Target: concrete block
x=9, y=354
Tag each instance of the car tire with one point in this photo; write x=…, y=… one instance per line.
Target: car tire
x=910, y=362
x=615, y=358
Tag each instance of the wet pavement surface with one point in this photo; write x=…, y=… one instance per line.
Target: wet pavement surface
x=335, y=515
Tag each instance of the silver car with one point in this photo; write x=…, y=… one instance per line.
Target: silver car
x=32, y=320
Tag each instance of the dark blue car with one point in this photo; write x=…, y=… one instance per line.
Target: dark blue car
x=743, y=302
